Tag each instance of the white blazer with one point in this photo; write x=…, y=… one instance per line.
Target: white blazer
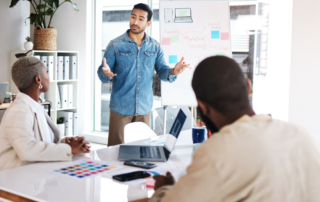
x=23, y=138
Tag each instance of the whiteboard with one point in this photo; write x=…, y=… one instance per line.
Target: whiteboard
x=195, y=30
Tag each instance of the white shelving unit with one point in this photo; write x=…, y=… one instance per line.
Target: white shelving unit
x=53, y=87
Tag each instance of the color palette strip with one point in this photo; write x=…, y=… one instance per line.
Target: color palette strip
x=84, y=169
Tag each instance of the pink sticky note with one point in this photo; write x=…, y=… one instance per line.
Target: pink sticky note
x=150, y=183
x=166, y=41
x=225, y=36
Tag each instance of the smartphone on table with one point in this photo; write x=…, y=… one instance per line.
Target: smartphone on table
x=140, y=164
x=131, y=176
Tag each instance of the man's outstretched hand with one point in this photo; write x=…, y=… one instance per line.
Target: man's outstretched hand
x=180, y=67
x=106, y=69
x=163, y=180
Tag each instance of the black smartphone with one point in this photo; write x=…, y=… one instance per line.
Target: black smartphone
x=131, y=176
x=139, y=164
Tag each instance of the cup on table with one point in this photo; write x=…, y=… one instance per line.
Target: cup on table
x=199, y=134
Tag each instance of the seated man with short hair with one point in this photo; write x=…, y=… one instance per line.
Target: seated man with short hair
x=252, y=157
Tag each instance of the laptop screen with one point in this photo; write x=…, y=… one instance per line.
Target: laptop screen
x=3, y=90
x=183, y=12
x=175, y=131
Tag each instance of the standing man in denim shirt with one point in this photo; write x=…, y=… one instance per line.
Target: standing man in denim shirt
x=131, y=59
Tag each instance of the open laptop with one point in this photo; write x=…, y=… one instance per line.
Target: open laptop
x=3, y=90
x=154, y=153
x=183, y=15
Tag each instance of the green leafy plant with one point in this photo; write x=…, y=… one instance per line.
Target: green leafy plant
x=60, y=120
x=43, y=9
x=28, y=39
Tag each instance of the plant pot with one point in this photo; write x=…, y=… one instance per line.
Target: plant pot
x=45, y=38
x=28, y=45
x=61, y=128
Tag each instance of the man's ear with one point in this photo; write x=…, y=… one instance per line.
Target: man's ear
x=249, y=86
x=204, y=107
x=149, y=23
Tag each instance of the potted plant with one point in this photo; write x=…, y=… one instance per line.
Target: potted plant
x=61, y=126
x=45, y=36
x=28, y=45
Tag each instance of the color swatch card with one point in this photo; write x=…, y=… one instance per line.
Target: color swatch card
x=84, y=169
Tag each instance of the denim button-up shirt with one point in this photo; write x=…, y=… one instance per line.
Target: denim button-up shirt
x=132, y=87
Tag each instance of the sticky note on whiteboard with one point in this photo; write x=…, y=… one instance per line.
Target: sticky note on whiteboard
x=215, y=34
x=165, y=41
x=175, y=38
x=225, y=36
x=173, y=59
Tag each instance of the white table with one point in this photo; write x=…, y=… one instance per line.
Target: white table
x=35, y=181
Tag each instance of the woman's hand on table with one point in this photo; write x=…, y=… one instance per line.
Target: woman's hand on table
x=78, y=144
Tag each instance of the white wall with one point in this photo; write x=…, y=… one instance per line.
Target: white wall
x=13, y=33
x=304, y=105
x=74, y=34
x=271, y=92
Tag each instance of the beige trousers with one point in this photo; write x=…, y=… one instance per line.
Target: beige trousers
x=117, y=123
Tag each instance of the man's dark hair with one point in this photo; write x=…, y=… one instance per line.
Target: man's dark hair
x=144, y=7
x=219, y=82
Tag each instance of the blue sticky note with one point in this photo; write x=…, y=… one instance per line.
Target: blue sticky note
x=72, y=174
x=173, y=59
x=215, y=34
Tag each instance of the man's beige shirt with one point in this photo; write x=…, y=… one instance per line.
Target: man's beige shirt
x=254, y=159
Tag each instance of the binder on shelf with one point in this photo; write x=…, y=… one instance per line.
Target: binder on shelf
x=60, y=68
x=70, y=95
x=73, y=67
x=64, y=95
x=50, y=67
x=37, y=56
x=66, y=68
x=68, y=121
x=58, y=98
x=75, y=124
x=44, y=60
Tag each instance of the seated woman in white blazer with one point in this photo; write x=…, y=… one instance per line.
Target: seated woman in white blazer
x=27, y=133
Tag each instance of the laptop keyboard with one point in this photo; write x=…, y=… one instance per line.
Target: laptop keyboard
x=150, y=153
x=183, y=19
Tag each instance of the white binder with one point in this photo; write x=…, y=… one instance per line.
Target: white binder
x=70, y=95
x=66, y=68
x=37, y=56
x=68, y=121
x=50, y=67
x=64, y=95
x=60, y=68
x=44, y=60
x=75, y=124
x=58, y=101
x=73, y=67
